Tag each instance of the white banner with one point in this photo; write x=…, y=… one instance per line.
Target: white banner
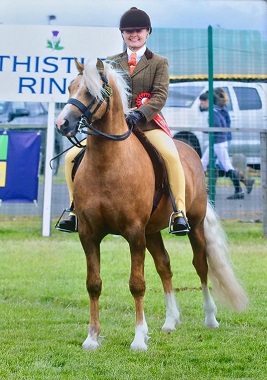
x=37, y=62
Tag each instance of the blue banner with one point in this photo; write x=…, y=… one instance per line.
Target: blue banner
x=19, y=165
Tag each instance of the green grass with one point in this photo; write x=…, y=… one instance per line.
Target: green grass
x=44, y=311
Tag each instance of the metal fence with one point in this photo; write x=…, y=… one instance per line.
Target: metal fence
x=253, y=208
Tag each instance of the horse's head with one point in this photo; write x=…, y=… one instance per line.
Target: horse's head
x=88, y=100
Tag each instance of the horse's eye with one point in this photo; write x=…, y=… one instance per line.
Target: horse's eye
x=70, y=84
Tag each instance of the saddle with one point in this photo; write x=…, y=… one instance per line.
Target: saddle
x=161, y=178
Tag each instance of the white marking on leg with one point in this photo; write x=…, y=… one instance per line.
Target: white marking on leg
x=90, y=343
x=172, y=313
x=141, y=337
x=210, y=309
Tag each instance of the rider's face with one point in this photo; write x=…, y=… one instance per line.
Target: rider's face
x=135, y=39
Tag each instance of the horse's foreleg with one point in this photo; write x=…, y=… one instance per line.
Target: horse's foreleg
x=94, y=286
x=198, y=244
x=161, y=258
x=137, y=288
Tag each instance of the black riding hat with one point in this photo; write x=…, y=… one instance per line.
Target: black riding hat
x=135, y=19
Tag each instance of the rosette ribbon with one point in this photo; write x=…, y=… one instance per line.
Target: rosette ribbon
x=159, y=120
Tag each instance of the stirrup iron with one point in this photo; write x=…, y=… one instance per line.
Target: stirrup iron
x=176, y=214
x=66, y=211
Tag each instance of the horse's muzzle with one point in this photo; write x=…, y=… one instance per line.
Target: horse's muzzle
x=66, y=130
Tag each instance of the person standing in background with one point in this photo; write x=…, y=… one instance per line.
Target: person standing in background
x=221, y=139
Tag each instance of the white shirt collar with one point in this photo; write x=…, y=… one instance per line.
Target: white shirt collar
x=139, y=52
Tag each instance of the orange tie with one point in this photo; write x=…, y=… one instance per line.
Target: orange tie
x=132, y=62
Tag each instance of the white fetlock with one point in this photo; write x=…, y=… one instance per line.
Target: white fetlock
x=90, y=343
x=172, y=313
x=210, y=309
x=140, y=338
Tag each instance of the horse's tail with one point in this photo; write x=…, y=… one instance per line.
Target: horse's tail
x=225, y=285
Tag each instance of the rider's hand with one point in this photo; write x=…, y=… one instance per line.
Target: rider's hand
x=134, y=117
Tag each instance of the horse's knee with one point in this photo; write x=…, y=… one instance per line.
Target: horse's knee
x=94, y=289
x=137, y=288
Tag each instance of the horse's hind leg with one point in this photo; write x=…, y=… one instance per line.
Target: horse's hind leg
x=198, y=243
x=161, y=258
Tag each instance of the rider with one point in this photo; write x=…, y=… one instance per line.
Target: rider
x=150, y=79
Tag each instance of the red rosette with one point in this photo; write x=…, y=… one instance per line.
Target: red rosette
x=142, y=98
x=158, y=119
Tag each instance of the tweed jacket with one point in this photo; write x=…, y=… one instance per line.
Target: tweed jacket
x=151, y=75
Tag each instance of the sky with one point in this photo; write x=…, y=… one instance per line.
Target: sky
x=229, y=14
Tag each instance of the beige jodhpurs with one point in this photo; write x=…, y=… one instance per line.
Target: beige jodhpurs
x=70, y=155
x=166, y=147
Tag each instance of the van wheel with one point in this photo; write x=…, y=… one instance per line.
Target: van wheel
x=189, y=139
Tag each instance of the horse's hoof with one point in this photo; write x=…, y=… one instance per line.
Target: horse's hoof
x=170, y=325
x=90, y=344
x=211, y=323
x=168, y=328
x=138, y=346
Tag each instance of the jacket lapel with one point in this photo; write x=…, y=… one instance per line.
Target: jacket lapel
x=144, y=62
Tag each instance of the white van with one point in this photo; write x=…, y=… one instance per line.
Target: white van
x=247, y=108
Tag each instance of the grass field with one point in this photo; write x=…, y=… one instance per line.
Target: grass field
x=44, y=311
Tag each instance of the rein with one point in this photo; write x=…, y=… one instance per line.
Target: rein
x=96, y=132
x=76, y=142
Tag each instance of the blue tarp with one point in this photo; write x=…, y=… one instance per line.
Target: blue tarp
x=19, y=164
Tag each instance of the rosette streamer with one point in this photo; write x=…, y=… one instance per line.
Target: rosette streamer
x=159, y=120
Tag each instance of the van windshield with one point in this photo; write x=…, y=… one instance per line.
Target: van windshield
x=183, y=96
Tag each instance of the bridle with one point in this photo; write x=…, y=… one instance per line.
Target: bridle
x=84, y=125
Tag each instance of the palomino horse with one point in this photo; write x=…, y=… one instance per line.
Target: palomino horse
x=113, y=194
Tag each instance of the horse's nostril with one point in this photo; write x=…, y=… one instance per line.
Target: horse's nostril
x=66, y=123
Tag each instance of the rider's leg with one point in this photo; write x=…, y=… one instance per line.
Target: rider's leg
x=167, y=148
x=70, y=224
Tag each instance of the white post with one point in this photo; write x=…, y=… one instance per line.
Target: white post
x=263, y=140
x=48, y=177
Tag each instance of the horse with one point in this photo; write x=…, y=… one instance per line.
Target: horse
x=114, y=188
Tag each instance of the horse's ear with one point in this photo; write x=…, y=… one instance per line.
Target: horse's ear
x=100, y=65
x=79, y=65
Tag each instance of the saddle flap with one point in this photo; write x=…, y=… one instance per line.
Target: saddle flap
x=156, y=159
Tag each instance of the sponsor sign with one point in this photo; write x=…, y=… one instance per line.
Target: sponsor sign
x=37, y=62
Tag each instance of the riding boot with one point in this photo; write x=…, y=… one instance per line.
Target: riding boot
x=239, y=194
x=70, y=224
x=178, y=224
